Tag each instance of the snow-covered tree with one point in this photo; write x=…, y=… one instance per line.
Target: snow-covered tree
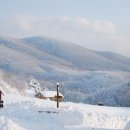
x=44, y=86
x=34, y=84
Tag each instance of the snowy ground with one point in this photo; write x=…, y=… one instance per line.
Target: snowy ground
x=24, y=113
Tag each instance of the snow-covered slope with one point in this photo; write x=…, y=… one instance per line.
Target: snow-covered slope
x=82, y=58
x=6, y=88
x=23, y=113
x=112, y=88
x=86, y=76
x=41, y=53
x=18, y=57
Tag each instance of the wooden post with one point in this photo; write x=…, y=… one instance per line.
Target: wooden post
x=1, y=104
x=58, y=94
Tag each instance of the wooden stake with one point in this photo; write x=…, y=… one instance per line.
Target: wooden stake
x=58, y=95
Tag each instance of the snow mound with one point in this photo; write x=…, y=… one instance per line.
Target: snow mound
x=27, y=113
x=104, y=120
x=127, y=127
x=70, y=117
x=30, y=92
x=8, y=124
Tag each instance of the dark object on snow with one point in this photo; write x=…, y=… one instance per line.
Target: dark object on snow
x=48, y=112
x=1, y=95
x=100, y=104
x=1, y=104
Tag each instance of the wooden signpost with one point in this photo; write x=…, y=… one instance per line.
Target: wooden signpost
x=58, y=85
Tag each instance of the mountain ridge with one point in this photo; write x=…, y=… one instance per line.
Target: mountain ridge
x=72, y=51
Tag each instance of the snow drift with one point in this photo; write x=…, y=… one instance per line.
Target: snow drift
x=24, y=113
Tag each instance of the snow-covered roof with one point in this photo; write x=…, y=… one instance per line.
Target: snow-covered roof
x=50, y=93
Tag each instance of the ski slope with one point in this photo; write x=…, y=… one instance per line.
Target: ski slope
x=26, y=113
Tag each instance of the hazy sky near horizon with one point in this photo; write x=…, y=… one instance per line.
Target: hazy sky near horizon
x=102, y=25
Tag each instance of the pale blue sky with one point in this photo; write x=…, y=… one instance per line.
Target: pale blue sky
x=96, y=24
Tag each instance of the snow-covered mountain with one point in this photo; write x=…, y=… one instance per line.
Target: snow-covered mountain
x=82, y=58
x=85, y=75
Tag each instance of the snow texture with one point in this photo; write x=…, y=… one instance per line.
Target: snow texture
x=26, y=113
x=50, y=93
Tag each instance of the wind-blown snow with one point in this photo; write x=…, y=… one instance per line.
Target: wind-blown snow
x=5, y=88
x=26, y=113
